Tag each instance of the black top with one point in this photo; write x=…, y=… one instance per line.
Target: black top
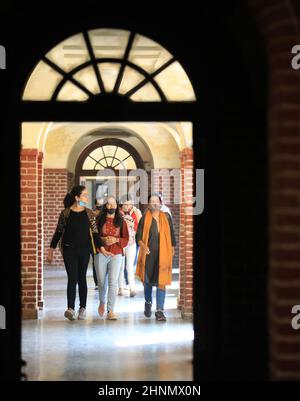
x=77, y=231
x=152, y=260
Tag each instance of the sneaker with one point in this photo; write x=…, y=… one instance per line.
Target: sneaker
x=120, y=292
x=70, y=314
x=111, y=316
x=132, y=294
x=96, y=287
x=148, y=311
x=160, y=316
x=101, y=309
x=81, y=314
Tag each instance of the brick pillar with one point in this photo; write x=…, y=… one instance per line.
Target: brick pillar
x=185, y=301
x=29, y=232
x=180, y=299
x=280, y=29
x=55, y=188
x=71, y=181
x=183, y=227
x=40, y=231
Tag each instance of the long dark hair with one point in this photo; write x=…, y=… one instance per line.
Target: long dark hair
x=70, y=197
x=102, y=216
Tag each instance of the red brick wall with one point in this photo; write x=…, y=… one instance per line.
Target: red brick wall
x=182, y=227
x=55, y=189
x=29, y=232
x=40, y=230
x=280, y=29
x=71, y=181
x=186, y=234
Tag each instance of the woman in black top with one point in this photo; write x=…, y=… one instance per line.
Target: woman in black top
x=77, y=235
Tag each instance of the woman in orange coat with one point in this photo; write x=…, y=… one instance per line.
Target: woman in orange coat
x=156, y=238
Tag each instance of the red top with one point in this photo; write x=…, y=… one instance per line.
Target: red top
x=109, y=230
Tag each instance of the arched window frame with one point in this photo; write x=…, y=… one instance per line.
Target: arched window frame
x=80, y=171
x=124, y=62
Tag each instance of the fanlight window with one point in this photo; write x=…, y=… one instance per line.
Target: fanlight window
x=109, y=157
x=108, y=61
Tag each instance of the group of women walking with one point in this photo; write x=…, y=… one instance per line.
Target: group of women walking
x=117, y=236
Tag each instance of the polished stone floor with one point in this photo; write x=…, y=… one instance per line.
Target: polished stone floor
x=131, y=348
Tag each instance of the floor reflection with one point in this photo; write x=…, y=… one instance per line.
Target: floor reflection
x=131, y=348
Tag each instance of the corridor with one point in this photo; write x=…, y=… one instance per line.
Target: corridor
x=131, y=348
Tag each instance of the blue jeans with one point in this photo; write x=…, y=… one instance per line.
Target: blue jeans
x=108, y=265
x=160, y=296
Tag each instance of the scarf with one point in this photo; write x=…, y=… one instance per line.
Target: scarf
x=165, y=250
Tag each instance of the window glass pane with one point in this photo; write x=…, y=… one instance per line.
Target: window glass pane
x=146, y=94
x=109, y=42
x=127, y=164
x=109, y=150
x=70, y=53
x=130, y=79
x=148, y=54
x=109, y=161
x=109, y=73
x=42, y=83
x=88, y=79
x=89, y=164
x=175, y=83
x=71, y=92
x=97, y=154
x=121, y=154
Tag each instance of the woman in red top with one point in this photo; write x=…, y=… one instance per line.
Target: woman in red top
x=114, y=234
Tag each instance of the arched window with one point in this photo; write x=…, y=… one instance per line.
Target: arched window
x=109, y=156
x=111, y=61
x=114, y=154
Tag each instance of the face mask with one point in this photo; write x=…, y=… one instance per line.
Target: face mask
x=99, y=207
x=81, y=203
x=154, y=208
x=111, y=211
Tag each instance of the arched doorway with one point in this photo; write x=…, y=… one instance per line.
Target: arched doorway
x=198, y=33
x=96, y=66
x=111, y=154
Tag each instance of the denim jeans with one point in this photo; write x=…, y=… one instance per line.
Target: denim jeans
x=160, y=296
x=128, y=261
x=108, y=265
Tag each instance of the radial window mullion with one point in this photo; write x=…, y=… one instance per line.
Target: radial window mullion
x=149, y=78
x=117, y=147
x=121, y=72
x=93, y=58
x=68, y=77
x=104, y=155
x=121, y=161
x=97, y=161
